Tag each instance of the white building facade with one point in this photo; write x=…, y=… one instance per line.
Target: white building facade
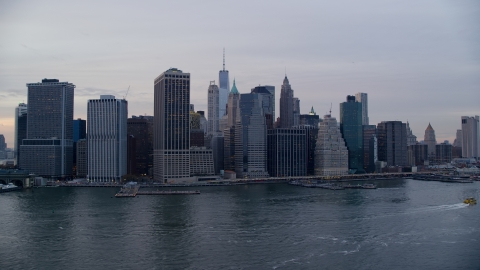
x=107, y=139
x=470, y=141
x=331, y=154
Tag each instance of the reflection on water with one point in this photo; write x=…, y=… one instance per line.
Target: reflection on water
x=403, y=223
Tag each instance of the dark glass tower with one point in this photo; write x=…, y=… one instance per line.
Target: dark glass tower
x=141, y=128
x=286, y=105
x=287, y=152
x=48, y=149
x=352, y=132
x=392, y=143
x=79, y=129
x=171, y=125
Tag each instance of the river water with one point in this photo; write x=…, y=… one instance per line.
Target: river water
x=404, y=224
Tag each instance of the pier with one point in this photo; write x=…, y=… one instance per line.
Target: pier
x=132, y=190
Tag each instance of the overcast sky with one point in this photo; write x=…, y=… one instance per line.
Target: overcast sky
x=417, y=60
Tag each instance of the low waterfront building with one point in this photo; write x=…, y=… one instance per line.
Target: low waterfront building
x=201, y=161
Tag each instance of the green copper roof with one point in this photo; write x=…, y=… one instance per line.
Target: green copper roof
x=312, y=112
x=234, y=89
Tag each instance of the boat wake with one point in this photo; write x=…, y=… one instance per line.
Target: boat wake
x=437, y=208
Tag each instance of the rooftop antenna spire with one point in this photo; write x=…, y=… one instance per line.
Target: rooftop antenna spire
x=330, y=108
x=223, y=59
x=124, y=97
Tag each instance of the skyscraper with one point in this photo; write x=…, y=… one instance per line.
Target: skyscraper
x=363, y=98
x=352, y=132
x=411, y=139
x=141, y=127
x=107, y=139
x=223, y=90
x=251, y=138
x=171, y=142
x=81, y=154
x=470, y=141
x=268, y=102
x=287, y=152
x=430, y=140
x=48, y=149
x=392, y=143
x=310, y=119
x=229, y=133
x=458, y=138
x=331, y=154
x=370, y=150
x=79, y=132
x=79, y=129
x=286, y=105
x=296, y=111
x=213, y=108
x=3, y=147
x=20, y=128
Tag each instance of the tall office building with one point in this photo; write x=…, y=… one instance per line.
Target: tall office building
x=48, y=149
x=82, y=156
x=458, y=138
x=310, y=119
x=352, y=132
x=370, y=150
x=3, y=147
x=296, y=111
x=417, y=154
x=171, y=141
x=268, y=102
x=311, y=133
x=79, y=129
x=251, y=138
x=79, y=132
x=213, y=108
x=107, y=139
x=223, y=90
x=392, y=143
x=443, y=153
x=471, y=135
x=286, y=105
x=229, y=133
x=331, y=154
x=429, y=139
x=141, y=128
x=411, y=139
x=20, y=128
x=363, y=98
x=287, y=152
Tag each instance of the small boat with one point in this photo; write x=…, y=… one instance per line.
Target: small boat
x=470, y=201
x=369, y=186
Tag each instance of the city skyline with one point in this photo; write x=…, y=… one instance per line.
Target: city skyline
x=423, y=71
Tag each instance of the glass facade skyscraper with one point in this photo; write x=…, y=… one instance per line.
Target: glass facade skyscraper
x=251, y=138
x=352, y=132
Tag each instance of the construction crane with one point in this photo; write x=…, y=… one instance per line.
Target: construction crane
x=124, y=97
